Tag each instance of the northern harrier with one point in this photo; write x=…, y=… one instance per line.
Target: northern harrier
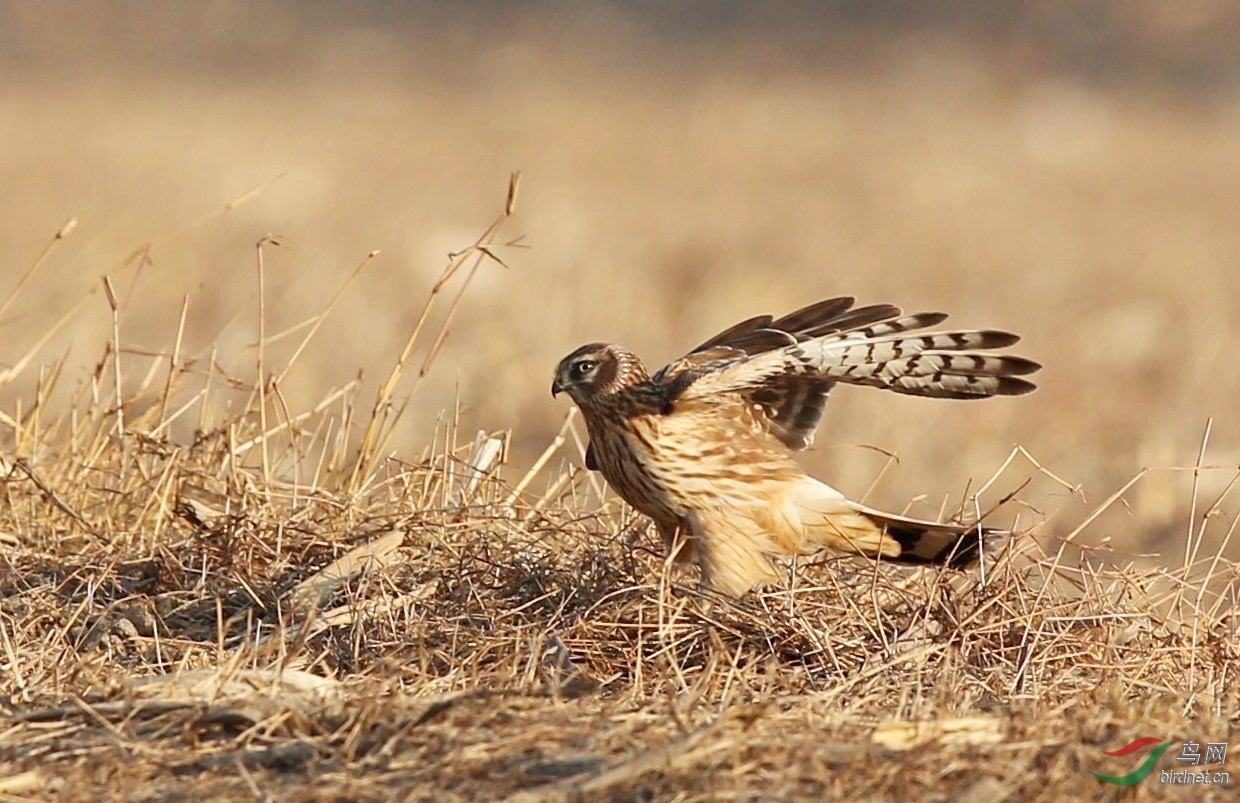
x=704, y=446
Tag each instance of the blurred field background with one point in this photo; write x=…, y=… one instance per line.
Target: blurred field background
x=1067, y=171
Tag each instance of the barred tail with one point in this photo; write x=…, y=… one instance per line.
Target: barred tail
x=953, y=546
x=829, y=519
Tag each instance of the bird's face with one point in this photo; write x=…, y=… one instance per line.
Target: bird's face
x=586, y=373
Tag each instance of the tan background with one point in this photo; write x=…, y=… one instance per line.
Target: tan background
x=1068, y=171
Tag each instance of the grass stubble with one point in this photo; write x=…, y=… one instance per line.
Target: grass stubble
x=206, y=593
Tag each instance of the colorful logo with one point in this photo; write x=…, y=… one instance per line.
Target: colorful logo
x=1140, y=773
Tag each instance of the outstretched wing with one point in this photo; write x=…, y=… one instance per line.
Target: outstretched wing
x=792, y=403
x=863, y=346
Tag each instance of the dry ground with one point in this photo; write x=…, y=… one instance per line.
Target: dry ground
x=251, y=547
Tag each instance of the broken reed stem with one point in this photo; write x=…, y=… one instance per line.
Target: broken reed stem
x=173, y=359
x=557, y=442
x=382, y=418
x=293, y=453
x=322, y=316
x=1191, y=545
x=142, y=253
x=138, y=256
x=203, y=411
x=48, y=378
x=39, y=261
x=261, y=375
x=116, y=358
x=240, y=449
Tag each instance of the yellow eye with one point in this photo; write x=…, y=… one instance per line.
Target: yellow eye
x=583, y=369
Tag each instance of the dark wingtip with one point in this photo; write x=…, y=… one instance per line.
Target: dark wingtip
x=997, y=339
x=1021, y=366
x=930, y=318
x=1014, y=386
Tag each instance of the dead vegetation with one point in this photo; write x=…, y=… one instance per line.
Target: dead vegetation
x=267, y=606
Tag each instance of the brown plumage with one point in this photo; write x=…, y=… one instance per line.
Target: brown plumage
x=704, y=446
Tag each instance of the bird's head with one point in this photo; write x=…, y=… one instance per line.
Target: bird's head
x=596, y=369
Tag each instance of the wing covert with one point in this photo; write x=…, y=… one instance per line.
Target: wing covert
x=792, y=404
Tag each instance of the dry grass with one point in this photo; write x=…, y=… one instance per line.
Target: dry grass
x=271, y=610
x=253, y=544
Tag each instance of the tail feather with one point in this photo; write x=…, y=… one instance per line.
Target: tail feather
x=829, y=519
x=954, y=546
x=734, y=544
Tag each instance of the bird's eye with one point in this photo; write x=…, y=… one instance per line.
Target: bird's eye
x=583, y=368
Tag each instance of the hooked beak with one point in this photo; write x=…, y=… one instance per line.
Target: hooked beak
x=556, y=388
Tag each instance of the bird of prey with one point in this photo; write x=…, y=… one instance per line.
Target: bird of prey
x=705, y=445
